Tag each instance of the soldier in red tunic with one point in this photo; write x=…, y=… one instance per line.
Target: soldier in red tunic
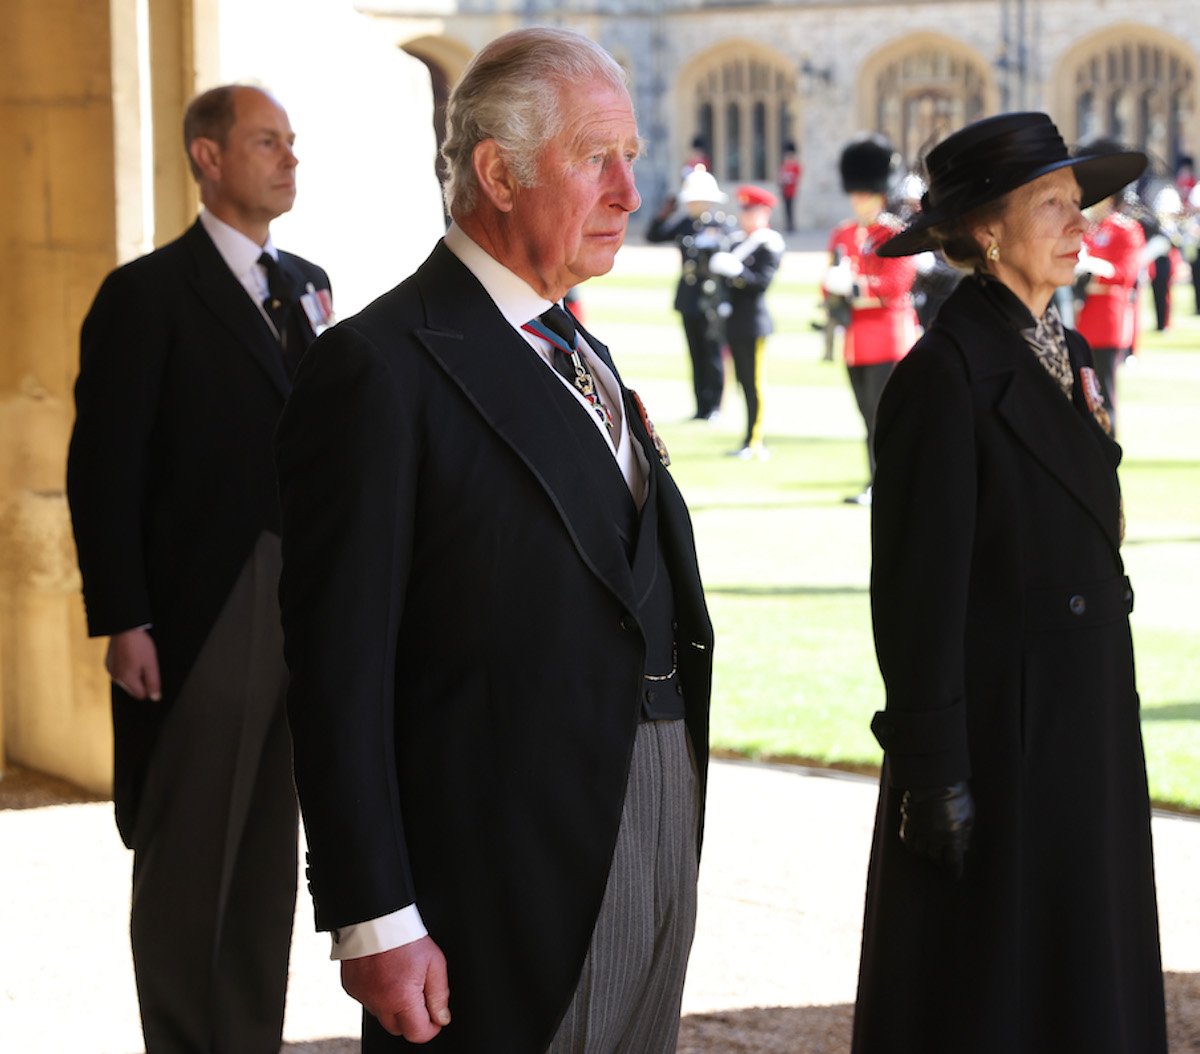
x=1114, y=247
x=883, y=324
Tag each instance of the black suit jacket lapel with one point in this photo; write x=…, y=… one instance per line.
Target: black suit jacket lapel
x=217, y=287
x=498, y=372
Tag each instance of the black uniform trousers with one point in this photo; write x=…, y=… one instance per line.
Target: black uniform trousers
x=708, y=368
x=868, y=383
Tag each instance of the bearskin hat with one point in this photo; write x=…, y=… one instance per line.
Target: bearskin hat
x=868, y=164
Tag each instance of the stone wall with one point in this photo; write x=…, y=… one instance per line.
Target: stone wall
x=658, y=41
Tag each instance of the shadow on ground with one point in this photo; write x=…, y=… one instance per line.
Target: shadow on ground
x=769, y=1030
x=826, y=1029
x=22, y=788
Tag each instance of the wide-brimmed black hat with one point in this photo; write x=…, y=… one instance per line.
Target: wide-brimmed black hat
x=987, y=159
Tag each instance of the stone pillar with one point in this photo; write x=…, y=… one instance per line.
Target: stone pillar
x=91, y=104
x=58, y=236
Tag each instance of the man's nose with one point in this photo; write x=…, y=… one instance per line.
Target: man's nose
x=626, y=193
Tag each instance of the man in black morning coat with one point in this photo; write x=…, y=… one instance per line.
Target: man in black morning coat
x=185, y=366
x=499, y=647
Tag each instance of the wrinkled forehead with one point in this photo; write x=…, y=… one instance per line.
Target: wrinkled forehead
x=596, y=107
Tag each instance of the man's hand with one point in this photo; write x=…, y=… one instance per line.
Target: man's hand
x=406, y=988
x=936, y=822
x=132, y=663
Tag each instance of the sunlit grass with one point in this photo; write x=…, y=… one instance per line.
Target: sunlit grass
x=786, y=563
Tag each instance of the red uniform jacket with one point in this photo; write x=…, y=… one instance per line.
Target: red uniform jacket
x=883, y=324
x=1109, y=314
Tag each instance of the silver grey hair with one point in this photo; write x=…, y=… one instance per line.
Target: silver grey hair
x=510, y=93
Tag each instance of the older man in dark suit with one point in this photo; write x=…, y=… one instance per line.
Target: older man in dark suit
x=186, y=361
x=499, y=647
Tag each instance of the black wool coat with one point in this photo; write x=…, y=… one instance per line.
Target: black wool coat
x=1000, y=610
x=466, y=658
x=170, y=474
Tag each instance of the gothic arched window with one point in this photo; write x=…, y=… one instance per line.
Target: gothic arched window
x=742, y=105
x=1139, y=91
x=924, y=93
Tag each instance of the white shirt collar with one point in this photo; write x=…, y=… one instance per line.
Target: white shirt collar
x=515, y=298
x=239, y=252
x=518, y=303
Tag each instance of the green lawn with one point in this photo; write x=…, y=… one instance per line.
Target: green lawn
x=786, y=563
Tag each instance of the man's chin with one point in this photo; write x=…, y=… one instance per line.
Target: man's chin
x=596, y=265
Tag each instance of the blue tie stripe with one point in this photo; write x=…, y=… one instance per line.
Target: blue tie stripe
x=539, y=328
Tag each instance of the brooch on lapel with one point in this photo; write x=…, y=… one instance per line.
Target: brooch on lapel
x=1093, y=395
x=655, y=438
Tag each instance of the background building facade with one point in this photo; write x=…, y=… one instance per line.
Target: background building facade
x=749, y=77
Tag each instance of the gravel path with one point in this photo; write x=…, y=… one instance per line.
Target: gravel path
x=772, y=971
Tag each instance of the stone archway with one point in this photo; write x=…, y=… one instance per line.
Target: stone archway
x=918, y=89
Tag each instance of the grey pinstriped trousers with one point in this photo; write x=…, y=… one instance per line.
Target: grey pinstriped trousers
x=629, y=994
x=214, y=874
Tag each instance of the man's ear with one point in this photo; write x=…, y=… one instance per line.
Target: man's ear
x=495, y=178
x=206, y=156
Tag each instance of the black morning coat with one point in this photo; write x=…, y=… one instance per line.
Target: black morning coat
x=1001, y=624
x=170, y=473
x=465, y=654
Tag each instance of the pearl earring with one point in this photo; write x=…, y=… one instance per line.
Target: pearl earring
x=993, y=253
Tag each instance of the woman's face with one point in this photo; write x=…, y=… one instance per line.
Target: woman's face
x=1039, y=235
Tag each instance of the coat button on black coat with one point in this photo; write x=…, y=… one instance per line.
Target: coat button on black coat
x=628, y=623
x=1077, y=604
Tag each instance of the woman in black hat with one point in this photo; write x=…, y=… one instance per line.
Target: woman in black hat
x=1010, y=901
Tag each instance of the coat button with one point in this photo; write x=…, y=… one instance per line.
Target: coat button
x=678, y=688
x=649, y=695
x=628, y=623
x=1077, y=604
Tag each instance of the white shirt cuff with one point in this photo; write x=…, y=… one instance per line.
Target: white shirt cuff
x=378, y=935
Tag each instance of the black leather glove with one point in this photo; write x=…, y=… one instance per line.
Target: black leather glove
x=936, y=822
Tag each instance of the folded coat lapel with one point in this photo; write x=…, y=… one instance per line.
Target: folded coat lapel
x=217, y=287
x=1063, y=443
x=1031, y=402
x=498, y=372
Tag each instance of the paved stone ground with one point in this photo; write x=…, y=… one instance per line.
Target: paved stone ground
x=773, y=969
